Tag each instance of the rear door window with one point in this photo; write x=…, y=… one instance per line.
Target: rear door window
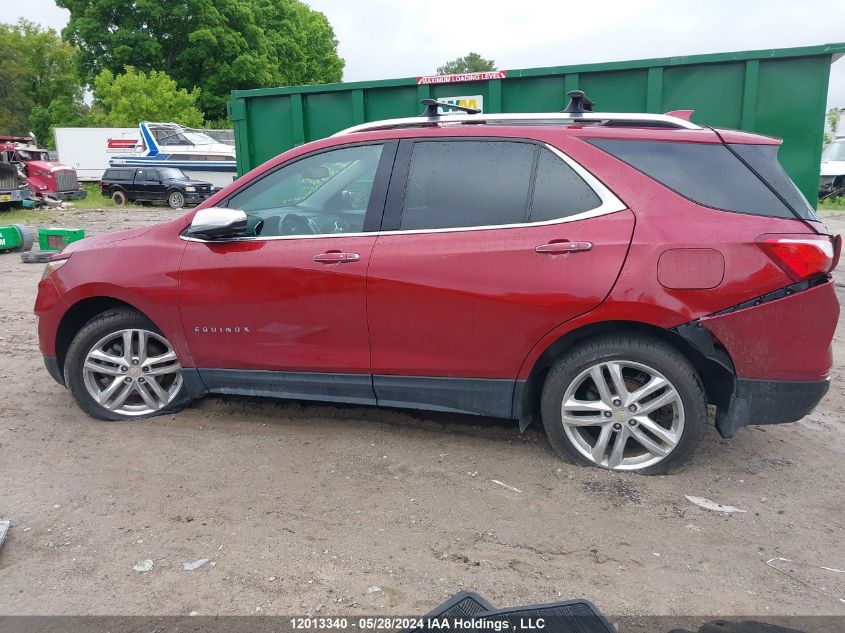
x=467, y=183
x=708, y=174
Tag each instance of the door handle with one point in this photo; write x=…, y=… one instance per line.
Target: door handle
x=336, y=257
x=561, y=248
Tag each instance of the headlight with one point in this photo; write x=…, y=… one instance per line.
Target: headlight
x=53, y=266
x=190, y=188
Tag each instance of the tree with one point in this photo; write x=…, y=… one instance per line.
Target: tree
x=832, y=123
x=40, y=87
x=472, y=63
x=125, y=100
x=215, y=45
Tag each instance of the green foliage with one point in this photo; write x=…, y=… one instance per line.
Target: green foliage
x=833, y=204
x=217, y=124
x=134, y=96
x=832, y=123
x=40, y=87
x=215, y=45
x=472, y=63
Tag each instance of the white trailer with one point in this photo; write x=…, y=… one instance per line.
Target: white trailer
x=88, y=149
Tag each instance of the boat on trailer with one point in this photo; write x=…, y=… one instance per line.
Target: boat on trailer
x=195, y=152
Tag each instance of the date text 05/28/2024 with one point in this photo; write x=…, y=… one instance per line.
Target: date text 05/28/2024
x=399, y=623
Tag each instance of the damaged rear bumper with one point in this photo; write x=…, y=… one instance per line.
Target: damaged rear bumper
x=768, y=402
x=776, y=351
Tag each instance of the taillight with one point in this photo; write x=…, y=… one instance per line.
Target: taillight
x=802, y=255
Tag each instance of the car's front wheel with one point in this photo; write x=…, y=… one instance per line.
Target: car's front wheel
x=626, y=403
x=176, y=200
x=120, y=367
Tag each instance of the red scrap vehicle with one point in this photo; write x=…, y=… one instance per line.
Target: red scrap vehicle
x=611, y=275
x=46, y=177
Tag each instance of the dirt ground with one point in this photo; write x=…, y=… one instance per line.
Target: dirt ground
x=304, y=508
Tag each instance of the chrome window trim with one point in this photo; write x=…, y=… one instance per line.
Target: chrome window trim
x=609, y=204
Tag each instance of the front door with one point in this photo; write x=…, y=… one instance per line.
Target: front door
x=489, y=244
x=284, y=312
x=155, y=189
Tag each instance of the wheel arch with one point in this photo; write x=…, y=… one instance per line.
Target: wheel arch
x=715, y=369
x=78, y=315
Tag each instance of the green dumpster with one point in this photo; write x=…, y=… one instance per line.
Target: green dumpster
x=779, y=92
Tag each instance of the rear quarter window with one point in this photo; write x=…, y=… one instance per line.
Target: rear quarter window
x=558, y=191
x=118, y=174
x=708, y=174
x=764, y=160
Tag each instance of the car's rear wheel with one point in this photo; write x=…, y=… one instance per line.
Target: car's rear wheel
x=120, y=367
x=118, y=197
x=626, y=403
x=176, y=200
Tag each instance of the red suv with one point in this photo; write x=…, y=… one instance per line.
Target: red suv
x=610, y=274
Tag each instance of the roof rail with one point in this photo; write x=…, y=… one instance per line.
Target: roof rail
x=539, y=118
x=578, y=110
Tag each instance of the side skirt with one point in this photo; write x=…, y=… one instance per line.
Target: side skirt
x=478, y=396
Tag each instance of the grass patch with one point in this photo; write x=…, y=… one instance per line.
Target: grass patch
x=24, y=216
x=96, y=200
x=832, y=204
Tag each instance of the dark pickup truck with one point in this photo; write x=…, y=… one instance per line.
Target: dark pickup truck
x=151, y=184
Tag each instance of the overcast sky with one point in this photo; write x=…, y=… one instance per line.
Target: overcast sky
x=382, y=39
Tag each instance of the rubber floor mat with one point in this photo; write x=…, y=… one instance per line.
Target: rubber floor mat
x=572, y=616
x=465, y=605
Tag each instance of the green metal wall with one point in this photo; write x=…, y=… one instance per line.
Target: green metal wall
x=778, y=92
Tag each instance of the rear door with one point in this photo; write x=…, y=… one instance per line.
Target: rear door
x=138, y=190
x=486, y=246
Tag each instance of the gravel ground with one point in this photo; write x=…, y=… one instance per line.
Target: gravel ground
x=303, y=508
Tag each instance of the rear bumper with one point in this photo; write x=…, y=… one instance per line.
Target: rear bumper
x=770, y=357
x=14, y=195
x=769, y=402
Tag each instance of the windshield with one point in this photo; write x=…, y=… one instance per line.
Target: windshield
x=32, y=155
x=171, y=173
x=834, y=151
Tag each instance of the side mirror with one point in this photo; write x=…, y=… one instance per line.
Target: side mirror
x=216, y=223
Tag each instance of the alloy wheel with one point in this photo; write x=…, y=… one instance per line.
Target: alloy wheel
x=177, y=200
x=132, y=372
x=622, y=415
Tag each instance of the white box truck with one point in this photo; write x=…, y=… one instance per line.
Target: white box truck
x=88, y=149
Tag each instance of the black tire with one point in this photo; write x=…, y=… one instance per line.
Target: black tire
x=92, y=332
x=27, y=238
x=119, y=197
x=176, y=199
x=37, y=257
x=643, y=350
